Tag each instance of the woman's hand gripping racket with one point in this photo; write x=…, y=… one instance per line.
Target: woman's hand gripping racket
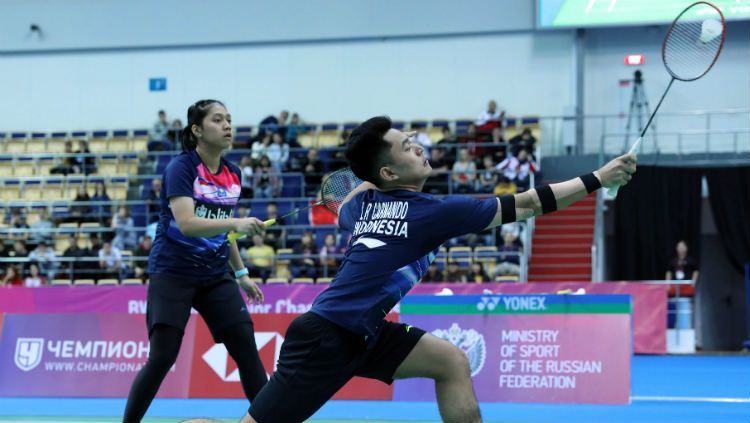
x=690, y=49
x=336, y=186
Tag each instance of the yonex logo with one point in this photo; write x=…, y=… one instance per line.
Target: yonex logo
x=28, y=353
x=489, y=303
x=217, y=357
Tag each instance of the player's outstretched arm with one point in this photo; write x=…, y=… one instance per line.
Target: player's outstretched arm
x=549, y=198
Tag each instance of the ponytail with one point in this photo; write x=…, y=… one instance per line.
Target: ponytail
x=189, y=142
x=195, y=115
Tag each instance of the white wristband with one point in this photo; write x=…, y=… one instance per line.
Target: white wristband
x=240, y=273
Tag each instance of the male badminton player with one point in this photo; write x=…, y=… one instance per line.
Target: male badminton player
x=188, y=261
x=397, y=231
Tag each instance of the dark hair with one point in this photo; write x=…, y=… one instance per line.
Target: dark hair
x=195, y=115
x=366, y=150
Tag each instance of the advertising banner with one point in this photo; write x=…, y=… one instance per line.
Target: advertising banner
x=649, y=301
x=215, y=375
x=82, y=355
x=531, y=348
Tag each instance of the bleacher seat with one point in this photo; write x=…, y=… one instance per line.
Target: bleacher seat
x=303, y=280
x=277, y=280
x=104, y=282
x=324, y=280
x=131, y=281
x=487, y=255
x=441, y=259
x=460, y=256
x=79, y=282
x=328, y=136
x=60, y=282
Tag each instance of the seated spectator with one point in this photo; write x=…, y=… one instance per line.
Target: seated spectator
x=34, y=278
x=85, y=158
x=45, y=259
x=499, y=147
x=513, y=228
x=293, y=130
x=526, y=166
x=438, y=181
x=471, y=139
x=522, y=141
x=339, y=156
x=275, y=234
x=487, y=176
x=80, y=212
x=273, y=124
x=464, y=173
x=477, y=274
x=160, y=133
x=313, y=169
x=328, y=253
x=110, y=261
x=66, y=165
x=4, y=253
x=260, y=148
x=141, y=264
x=42, y=229
x=278, y=153
x=101, y=212
x=153, y=201
x=246, y=166
x=173, y=136
x=490, y=119
x=447, y=143
x=433, y=274
x=682, y=267
x=261, y=258
x=304, y=265
x=19, y=227
x=124, y=228
x=267, y=180
x=509, y=257
x=19, y=250
x=12, y=277
x=74, y=251
x=453, y=273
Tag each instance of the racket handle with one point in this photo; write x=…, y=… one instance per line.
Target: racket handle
x=634, y=149
x=234, y=236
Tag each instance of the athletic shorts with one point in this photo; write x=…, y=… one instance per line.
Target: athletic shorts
x=218, y=301
x=318, y=357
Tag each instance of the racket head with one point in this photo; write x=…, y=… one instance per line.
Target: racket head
x=694, y=41
x=336, y=186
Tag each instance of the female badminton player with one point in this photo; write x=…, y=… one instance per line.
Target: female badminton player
x=188, y=261
x=396, y=232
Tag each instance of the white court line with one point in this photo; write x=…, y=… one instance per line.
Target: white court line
x=693, y=399
x=589, y=6
x=611, y=5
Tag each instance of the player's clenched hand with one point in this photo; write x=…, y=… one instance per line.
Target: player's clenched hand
x=249, y=225
x=251, y=289
x=618, y=172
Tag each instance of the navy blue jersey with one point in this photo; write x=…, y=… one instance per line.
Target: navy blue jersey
x=215, y=196
x=395, y=237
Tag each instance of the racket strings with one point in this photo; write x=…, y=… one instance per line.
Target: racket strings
x=336, y=187
x=693, y=43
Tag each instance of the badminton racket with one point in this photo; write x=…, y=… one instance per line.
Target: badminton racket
x=334, y=189
x=691, y=47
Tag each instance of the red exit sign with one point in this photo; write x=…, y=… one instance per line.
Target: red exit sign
x=634, y=59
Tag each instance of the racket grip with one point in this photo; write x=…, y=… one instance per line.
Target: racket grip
x=234, y=236
x=612, y=192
